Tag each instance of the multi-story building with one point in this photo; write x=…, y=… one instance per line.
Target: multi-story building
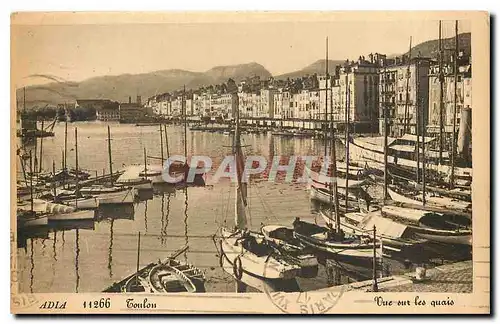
x=132, y=112
x=403, y=88
x=282, y=104
x=464, y=95
x=222, y=105
x=325, y=93
x=248, y=103
x=266, y=107
x=356, y=87
x=306, y=104
x=201, y=104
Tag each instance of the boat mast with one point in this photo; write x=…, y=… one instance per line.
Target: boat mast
x=407, y=114
x=166, y=139
x=184, y=119
x=386, y=183
x=138, y=257
x=347, y=117
x=441, y=90
x=326, y=101
x=41, y=149
x=417, y=121
x=65, y=170
x=422, y=117
x=31, y=181
x=455, y=76
x=76, y=166
x=161, y=143
x=109, y=156
x=241, y=194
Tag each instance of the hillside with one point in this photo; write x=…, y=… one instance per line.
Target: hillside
x=120, y=87
x=431, y=48
x=318, y=67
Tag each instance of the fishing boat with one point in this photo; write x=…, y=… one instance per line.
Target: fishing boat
x=76, y=215
x=412, y=196
x=325, y=196
x=320, y=178
x=244, y=251
x=443, y=228
x=394, y=236
x=29, y=219
x=350, y=248
x=401, y=152
x=281, y=239
x=121, y=197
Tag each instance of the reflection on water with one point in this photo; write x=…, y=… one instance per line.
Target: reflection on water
x=186, y=221
x=110, y=253
x=77, y=258
x=173, y=216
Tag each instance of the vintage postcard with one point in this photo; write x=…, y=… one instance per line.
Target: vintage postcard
x=250, y=163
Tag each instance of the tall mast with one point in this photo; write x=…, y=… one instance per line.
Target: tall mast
x=76, y=166
x=109, y=156
x=145, y=164
x=386, y=183
x=417, y=121
x=241, y=189
x=334, y=171
x=184, y=116
x=347, y=110
x=166, y=139
x=441, y=91
x=54, y=178
x=31, y=181
x=455, y=76
x=422, y=117
x=407, y=114
x=326, y=99
x=65, y=149
x=41, y=150
x=161, y=143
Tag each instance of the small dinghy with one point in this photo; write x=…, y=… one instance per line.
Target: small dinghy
x=165, y=278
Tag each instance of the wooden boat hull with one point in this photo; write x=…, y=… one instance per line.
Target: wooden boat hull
x=359, y=253
x=326, y=198
x=178, y=281
x=77, y=215
x=317, y=178
x=264, y=266
x=123, y=197
x=459, y=238
x=431, y=201
x=32, y=222
x=85, y=203
x=294, y=253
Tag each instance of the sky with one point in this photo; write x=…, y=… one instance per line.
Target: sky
x=75, y=52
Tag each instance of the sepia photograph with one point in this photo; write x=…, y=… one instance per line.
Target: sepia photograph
x=301, y=161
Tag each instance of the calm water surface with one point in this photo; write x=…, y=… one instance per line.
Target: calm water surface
x=90, y=256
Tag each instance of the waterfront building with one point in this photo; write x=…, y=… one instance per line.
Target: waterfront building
x=404, y=86
x=248, y=103
x=266, y=107
x=464, y=95
x=133, y=112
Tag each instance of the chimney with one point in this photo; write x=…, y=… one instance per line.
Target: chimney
x=129, y=99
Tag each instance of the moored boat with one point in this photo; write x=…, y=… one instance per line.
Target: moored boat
x=443, y=228
x=76, y=215
x=356, y=249
x=281, y=239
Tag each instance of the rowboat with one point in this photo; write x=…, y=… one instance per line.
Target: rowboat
x=76, y=215
x=350, y=248
x=443, y=228
x=415, y=197
x=164, y=276
x=282, y=241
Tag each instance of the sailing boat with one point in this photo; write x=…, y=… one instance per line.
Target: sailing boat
x=351, y=248
x=243, y=251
